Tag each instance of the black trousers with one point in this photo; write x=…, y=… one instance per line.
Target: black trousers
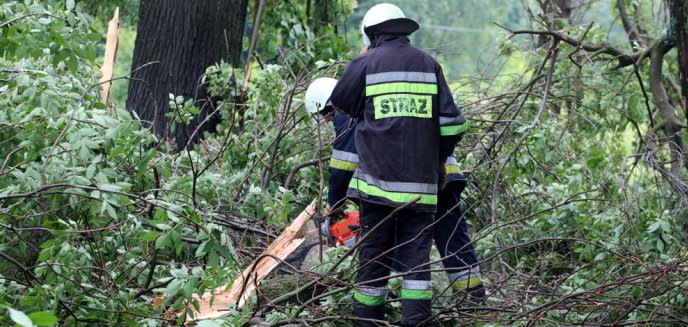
x=413, y=233
x=452, y=238
x=451, y=233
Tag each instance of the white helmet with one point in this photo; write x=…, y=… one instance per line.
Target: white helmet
x=386, y=18
x=318, y=94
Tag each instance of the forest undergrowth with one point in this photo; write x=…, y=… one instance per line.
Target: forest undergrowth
x=576, y=198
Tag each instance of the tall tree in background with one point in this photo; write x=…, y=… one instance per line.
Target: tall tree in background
x=180, y=39
x=679, y=31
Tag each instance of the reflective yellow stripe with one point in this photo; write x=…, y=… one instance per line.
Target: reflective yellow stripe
x=401, y=76
x=398, y=187
x=343, y=165
x=399, y=197
x=451, y=169
x=401, y=87
x=453, y=129
x=466, y=283
x=344, y=155
x=369, y=300
x=416, y=294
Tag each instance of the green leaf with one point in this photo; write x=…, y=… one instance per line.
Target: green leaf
x=91, y=52
x=45, y=255
x=72, y=63
x=150, y=236
x=111, y=212
x=71, y=4
x=181, y=273
x=143, y=164
x=43, y=318
x=654, y=226
x=90, y=171
x=20, y=318
x=162, y=241
x=173, y=287
x=110, y=187
x=201, y=249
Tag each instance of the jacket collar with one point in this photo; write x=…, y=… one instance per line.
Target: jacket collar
x=389, y=38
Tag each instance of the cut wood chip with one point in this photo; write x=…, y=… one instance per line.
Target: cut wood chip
x=245, y=285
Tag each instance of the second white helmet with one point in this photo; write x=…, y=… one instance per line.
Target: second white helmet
x=318, y=94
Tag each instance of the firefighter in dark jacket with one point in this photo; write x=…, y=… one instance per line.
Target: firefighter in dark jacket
x=450, y=232
x=450, y=229
x=344, y=158
x=408, y=125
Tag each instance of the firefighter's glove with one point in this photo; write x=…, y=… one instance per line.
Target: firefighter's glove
x=334, y=214
x=442, y=178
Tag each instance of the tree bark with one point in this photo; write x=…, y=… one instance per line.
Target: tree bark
x=678, y=10
x=631, y=30
x=183, y=38
x=671, y=124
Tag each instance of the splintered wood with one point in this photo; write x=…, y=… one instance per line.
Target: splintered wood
x=245, y=285
x=110, y=55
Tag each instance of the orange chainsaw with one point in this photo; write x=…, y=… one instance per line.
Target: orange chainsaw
x=344, y=232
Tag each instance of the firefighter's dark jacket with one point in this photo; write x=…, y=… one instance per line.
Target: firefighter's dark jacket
x=345, y=160
x=407, y=123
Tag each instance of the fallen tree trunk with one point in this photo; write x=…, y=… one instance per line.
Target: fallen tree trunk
x=214, y=304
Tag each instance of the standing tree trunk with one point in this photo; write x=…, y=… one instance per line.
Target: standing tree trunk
x=631, y=29
x=679, y=33
x=182, y=38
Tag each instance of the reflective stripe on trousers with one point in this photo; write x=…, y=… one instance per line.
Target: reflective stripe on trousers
x=370, y=296
x=464, y=279
x=416, y=290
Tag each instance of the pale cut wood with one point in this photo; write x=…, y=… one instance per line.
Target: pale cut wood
x=245, y=285
x=110, y=55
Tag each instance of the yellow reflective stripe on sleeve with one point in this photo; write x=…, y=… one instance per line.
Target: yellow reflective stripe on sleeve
x=399, y=197
x=344, y=155
x=466, y=283
x=343, y=165
x=401, y=87
x=451, y=169
x=458, y=120
x=453, y=129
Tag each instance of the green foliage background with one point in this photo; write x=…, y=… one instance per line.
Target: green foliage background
x=574, y=215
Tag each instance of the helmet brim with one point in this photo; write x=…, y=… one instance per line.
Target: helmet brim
x=404, y=26
x=327, y=109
